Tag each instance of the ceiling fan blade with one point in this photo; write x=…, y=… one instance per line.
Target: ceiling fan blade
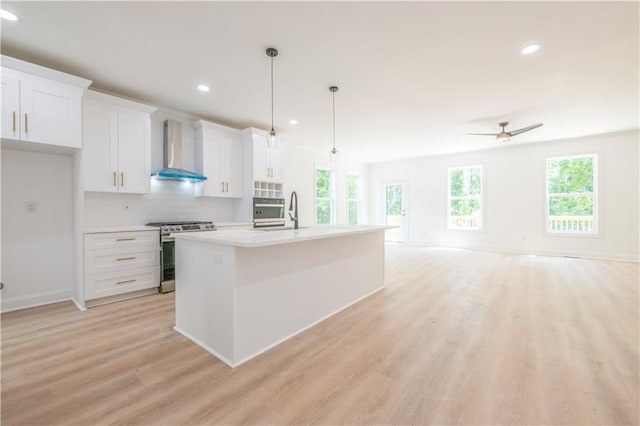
x=483, y=134
x=524, y=129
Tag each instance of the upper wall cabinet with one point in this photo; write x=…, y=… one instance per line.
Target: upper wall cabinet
x=117, y=144
x=267, y=161
x=219, y=157
x=41, y=106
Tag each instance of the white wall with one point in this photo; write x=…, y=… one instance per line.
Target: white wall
x=37, y=254
x=514, y=178
x=299, y=175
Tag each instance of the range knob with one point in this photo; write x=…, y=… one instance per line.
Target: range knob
x=165, y=229
x=174, y=228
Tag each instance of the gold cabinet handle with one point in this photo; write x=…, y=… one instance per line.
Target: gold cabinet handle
x=114, y=179
x=125, y=258
x=14, y=121
x=126, y=239
x=26, y=123
x=126, y=282
x=121, y=178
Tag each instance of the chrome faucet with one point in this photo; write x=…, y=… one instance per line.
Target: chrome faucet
x=295, y=212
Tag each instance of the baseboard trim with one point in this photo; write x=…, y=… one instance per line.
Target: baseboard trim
x=120, y=297
x=205, y=347
x=33, y=300
x=79, y=305
x=536, y=252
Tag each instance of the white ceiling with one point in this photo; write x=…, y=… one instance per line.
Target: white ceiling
x=414, y=77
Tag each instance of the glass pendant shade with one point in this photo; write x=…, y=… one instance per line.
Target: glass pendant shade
x=272, y=138
x=333, y=155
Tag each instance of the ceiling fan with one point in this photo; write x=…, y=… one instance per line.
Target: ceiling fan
x=504, y=136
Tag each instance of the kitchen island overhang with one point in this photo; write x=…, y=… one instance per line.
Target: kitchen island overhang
x=241, y=292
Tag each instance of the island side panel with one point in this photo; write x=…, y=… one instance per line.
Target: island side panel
x=284, y=289
x=205, y=274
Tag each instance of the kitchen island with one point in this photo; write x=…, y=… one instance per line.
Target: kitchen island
x=241, y=292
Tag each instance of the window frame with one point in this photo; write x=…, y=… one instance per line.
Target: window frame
x=597, y=229
x=358, y=200
x=332, y=199
x=481, y=197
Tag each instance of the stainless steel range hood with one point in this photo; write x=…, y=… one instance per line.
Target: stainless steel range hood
x=173, y=156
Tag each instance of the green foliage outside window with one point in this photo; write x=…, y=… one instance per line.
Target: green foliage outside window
x=324, y=196
x=465, y=182
x=570, y=184
x=394, y=200
x=353, y=197
x=465, y=195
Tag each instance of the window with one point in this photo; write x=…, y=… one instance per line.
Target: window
x=325, y=196
x=571, y=194
x=353, y=199
x=465, y=198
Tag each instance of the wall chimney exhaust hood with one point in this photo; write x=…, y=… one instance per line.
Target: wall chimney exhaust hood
x=173, y=156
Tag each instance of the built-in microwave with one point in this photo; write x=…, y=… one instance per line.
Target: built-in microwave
x=268, y=212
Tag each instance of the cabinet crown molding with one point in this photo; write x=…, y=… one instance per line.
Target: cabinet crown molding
x=116, y=100
x=40, y=71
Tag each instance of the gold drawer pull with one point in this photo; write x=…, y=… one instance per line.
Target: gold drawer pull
x=126, y=239
x=114, y=179
x=14, y=121
x=26, y=123
x=126, y=282
x=125, y=258
x=121, y=178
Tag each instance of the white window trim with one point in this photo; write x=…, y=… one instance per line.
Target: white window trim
x=333, y=193
x=359, y=199
x=479, y=197
x=597, y=233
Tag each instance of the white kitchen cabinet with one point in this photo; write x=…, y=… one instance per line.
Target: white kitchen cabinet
x=117, y=142
x=267, y=163
x=118, y=263
x=219, y=157
x=41, y=106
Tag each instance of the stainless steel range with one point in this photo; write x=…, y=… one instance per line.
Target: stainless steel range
x=167, y=248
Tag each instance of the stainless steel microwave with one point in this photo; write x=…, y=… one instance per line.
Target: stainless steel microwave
x=268, y=212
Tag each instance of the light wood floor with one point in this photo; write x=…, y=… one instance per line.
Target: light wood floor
x=457, y=337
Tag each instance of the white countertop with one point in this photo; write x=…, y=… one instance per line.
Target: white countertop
x=260, y=238
x=121, y=229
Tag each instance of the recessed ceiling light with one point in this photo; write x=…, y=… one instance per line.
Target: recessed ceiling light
x=293, y=122
x=203, y=88
x=527, y=50
x=5, y=14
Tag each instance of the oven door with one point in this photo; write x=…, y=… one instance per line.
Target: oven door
x=167, y=265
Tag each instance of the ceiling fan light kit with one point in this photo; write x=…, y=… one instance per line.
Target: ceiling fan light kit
x=505, y=136
x=272, y=138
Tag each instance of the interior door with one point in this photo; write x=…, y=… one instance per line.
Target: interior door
x=395, y=211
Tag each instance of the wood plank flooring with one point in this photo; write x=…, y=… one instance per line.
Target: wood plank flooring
x=457, y=337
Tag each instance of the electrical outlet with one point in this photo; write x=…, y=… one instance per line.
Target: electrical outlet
x=32, y=206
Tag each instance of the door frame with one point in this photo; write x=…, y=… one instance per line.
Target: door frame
x=403, y=233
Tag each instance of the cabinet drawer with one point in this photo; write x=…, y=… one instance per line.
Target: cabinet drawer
x=118, y=282
x=121, y=258
x=121, y=239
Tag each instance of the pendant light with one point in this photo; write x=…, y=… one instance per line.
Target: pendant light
x=272, y=138
x=333, y=154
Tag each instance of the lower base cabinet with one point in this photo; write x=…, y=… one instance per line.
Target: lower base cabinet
x=117, y=263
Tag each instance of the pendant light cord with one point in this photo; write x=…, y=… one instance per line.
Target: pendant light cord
x=272, y=93
x=334, y=120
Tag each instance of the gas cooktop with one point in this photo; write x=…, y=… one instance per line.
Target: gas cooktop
x=183, y=226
